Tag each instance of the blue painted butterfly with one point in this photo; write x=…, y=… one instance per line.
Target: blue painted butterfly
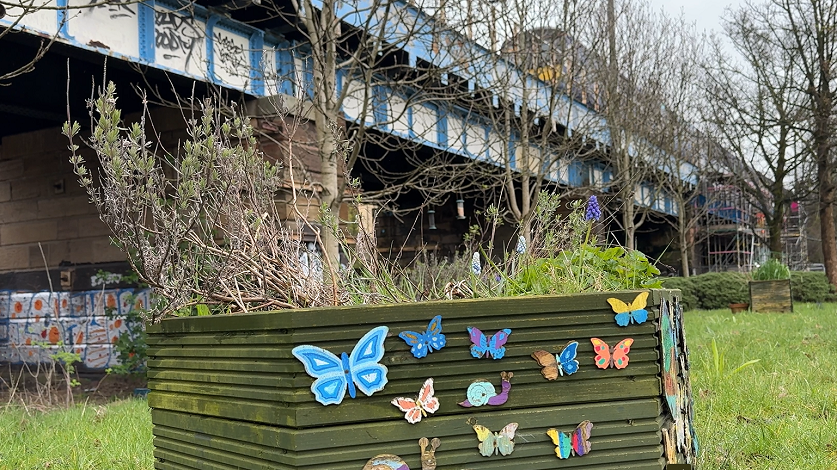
x=553, y=364
x=633, y=312
x=360, y=370
x=482, y=346
x=423, y=343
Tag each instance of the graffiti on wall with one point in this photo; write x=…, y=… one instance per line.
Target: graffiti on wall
x=34, y=326
x=179, y=40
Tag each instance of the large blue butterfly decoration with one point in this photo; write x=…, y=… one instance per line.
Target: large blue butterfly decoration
x=423, y=343
x=357, y=371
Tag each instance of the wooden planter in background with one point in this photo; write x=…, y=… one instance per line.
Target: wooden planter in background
x=227, y=393
x=771, y=296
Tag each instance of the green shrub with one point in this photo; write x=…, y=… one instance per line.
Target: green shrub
x=811, y=287
x=687, y=290
x=771, y=270
x=718, y=290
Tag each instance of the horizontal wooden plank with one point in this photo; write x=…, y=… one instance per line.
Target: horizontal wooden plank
x=625, y=417
x=381, y=314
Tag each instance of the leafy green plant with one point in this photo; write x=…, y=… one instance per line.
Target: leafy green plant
x=719, y=366
x=773, y=269
x=718, y=290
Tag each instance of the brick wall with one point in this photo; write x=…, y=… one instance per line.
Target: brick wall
x=41, y=202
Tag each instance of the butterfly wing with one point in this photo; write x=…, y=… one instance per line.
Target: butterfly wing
x=505, y=439
x=409, y=407
x=479, y=343
x=548, y=362
x=567, y=358
x=581, y=438
x=602, y=351
x=638, y=312
x=434, y=334
x=330, y=386
x=417, y=341
x=497, y=342
x=562, y=443
x=366, y=372
x=426, y=399
x=620, y=353
x=488, y=442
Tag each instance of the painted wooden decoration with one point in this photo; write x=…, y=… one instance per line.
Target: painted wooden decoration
x=359, y=370
x=394, y=462
x=386, y=462
x=617, y=358
x=575, y=443
x=482, y=392
x=428, y=452
x=423, y=343
x=425, y=403
x=669, y=362
x=633, y=312
x=492, y=443
x=483, y=346
x=554, y=364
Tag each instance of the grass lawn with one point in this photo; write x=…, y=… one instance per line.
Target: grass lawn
x=778, y=414
x=116, y=436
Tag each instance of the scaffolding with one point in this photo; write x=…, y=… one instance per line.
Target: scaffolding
x=794, y=241
x=733, y=230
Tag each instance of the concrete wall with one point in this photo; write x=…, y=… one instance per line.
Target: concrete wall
x=33, y=326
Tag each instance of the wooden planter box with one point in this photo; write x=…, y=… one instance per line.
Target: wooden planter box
x=226, y=392
x=771, y=296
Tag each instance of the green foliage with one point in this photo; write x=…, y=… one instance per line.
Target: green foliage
x=116, y=436
x=811, y=287
x=773, y=269
x=719, y=363
x=777, y=414
x=687, y=290
x=718, y=290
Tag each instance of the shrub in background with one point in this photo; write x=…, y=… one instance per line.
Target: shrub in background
x=687, y=290
x=718, y=290
x=811, y=287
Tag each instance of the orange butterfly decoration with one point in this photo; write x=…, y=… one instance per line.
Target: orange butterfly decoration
x=425, y=403
x=617, y=357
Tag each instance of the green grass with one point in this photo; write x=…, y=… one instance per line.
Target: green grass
x=112, y=437
x=779, y=413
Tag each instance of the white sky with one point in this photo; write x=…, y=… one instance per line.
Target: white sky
x=706, y=14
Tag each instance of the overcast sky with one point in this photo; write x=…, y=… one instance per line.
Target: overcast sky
x=706, y=14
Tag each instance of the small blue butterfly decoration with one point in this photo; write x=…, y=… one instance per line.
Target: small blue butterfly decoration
x=482, y=346
x=359, y=370
x=423, y=343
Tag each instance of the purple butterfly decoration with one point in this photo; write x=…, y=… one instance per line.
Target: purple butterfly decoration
x=483, y=346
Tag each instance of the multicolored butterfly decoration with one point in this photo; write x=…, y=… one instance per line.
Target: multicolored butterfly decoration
x=359, y=370
x=492, y=443
x=633, y=312
x=482, y=392
x=421, y=405
x=669, y=371
x=554, y=364
x=617, y=358
x=483, y=346
x=423, y=343
x=575, y=443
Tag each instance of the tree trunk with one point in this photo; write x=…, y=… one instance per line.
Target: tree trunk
x=826, y=212
x=682, y=231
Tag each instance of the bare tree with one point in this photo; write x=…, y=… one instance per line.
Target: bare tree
x=756, y=108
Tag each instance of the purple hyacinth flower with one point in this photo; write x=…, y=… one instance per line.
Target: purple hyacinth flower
x=475, y=264
x=594, y=212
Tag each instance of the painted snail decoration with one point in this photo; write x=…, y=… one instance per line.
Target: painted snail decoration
x=394, y=462
x=482, y=392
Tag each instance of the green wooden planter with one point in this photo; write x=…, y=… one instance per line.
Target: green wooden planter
x=771, y=296
x=226, y=392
